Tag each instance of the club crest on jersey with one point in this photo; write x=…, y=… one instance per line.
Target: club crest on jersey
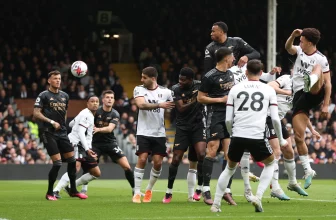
x=63, y=99
x=160, y=95
x=51, y=98
x=220, y=80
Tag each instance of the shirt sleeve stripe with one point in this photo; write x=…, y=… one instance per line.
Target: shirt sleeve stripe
x=274, y=104
x=228, y=104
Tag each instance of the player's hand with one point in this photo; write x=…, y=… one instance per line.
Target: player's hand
x=92, y=154
x=167, y=105
x=297, y=33
x=316, y=134
x=242, y=61
x=276, y=70
x=324, y=112
x=56, y=125
x=95, y=130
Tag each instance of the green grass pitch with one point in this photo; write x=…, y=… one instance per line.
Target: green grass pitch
x=111, y=199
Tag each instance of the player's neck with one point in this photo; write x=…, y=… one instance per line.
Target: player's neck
x=311, y=50
x=153, y=86
x=53, y=90
x=253, y=78
x=223, y=67
x=222, y=39
x=106, y=108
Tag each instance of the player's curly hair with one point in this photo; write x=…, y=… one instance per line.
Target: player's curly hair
x=312, y=35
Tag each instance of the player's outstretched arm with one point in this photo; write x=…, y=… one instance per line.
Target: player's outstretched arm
x=278, y=90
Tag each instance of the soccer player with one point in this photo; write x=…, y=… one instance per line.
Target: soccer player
x=213, y=92
x=311, y=87
x=104, y=141
x=51, y=107
x=190, y=133
x=81, y=137
x=242, y=51
x=151, y=100
x=249, y=100
x=283, y=88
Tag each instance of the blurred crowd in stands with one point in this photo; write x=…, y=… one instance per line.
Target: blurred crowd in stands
x=38, y=40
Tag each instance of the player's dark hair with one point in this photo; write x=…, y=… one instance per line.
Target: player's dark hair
x=150, y=72
x=187, y=72
x=254, y=67
x=312, y=35
x=221, y=53
x=222, y=26
x=90, y=96
x=107, y=92
x=54, y=73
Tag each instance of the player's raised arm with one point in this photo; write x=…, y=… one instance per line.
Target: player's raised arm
x=291, y=49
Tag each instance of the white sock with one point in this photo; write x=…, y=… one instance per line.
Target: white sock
x=265, y=179
x=85, y=179
x=63, y=182
x=205, y=188
x=198, y=187
x=305, y=163
x=138, y=175
x=170, y=191
x=275, y=178
x=191, y=179
x=85, y=187
x=245, y=169
x=223, y=181
x=154, y=175
x=313, y=79
x=290, y=166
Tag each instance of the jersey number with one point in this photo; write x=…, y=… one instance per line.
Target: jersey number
x=256, y=104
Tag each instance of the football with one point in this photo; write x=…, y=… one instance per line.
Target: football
x=79, y=69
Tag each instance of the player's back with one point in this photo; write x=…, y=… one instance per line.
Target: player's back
x=250, y=100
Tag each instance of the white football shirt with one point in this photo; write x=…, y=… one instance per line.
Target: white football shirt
x=250, y=101
x=86, y=119
x=151, y=122
x=284, y=101
x=305, y=63
x=240, y=76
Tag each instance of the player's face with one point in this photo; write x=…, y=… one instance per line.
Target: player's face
x=108, y=100
x=304, y=44
x=230, y=59
x=146, y=80
x=216, y=33
x=93, y=103
x=184, y=82
x=55, y=81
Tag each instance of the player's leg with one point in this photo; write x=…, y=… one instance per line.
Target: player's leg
x=245, y=172
x=227, y=195
x=300, y=122
x=313, y=82
x=68, y=153
x=181, y=144
x=143, y=149
x=290, y=167
x=94, y=172
x=235, y=153
x=276, y=191
x=177, y=158
x=158, y=148
x=197, y=153
x=54, y=153
x=262, y=152
x=118, y=156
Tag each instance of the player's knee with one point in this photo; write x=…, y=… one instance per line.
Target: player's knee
x=298, y=137
x=96, y=173
x=71, y=159
x=201, y=156
x=57, y=163
x=175, y=162
x=142, y=161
